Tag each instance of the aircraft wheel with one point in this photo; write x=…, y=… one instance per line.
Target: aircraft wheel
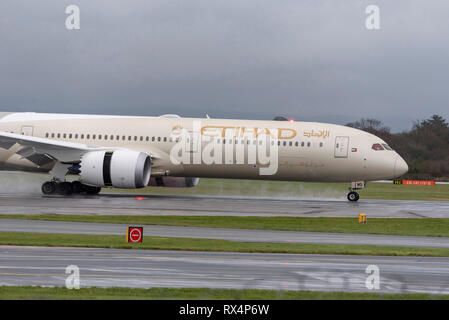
x=92, y=189
x=353, y=196
x=64, y=188
x=77, y=187
x=49, y=187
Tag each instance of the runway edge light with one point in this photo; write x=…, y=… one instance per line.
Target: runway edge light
x=362, y=218
x=134, y=234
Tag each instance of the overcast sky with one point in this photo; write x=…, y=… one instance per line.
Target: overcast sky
x=311, y=60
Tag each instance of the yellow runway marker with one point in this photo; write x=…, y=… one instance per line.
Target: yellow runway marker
x=362, y=218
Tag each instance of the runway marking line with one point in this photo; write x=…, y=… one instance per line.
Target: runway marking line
x=127, y=276
x=228, y=257
x=206, y=278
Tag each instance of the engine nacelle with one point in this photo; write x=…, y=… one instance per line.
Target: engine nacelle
x=174, y=182
x=120, y=169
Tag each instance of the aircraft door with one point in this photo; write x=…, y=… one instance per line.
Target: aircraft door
x=341, y=147
x=192, y=142
x=27, y=130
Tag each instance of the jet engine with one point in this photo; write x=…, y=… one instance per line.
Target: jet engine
x=174, y=182
x=121, y=169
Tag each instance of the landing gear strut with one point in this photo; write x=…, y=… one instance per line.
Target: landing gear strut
x=67, y=188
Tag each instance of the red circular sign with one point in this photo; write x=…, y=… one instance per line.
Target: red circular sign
x=135, y=234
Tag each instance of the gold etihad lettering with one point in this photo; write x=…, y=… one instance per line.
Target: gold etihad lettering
x=215, y=131
x=317, y=134
x=282, y=133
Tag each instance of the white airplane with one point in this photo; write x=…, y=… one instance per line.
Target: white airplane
x=134, y=152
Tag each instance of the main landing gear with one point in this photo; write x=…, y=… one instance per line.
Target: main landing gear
x=353, y=195
x=67, y=188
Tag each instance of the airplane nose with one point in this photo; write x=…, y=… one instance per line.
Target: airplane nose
x=400, y=167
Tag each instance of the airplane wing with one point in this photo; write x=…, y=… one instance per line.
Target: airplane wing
x=42, y=151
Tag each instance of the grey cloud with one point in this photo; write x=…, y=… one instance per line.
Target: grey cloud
x=312, y=60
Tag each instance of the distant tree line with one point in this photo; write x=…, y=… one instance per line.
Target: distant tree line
x=425, y=147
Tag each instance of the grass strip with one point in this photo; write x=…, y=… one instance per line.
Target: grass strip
x=386, y=226
x=95, y=293
x=188, y=244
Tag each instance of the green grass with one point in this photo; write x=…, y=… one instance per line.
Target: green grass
x=439, y=192
x=302, y=189
x=94, y=293
x=188, y=244
x=391, y=226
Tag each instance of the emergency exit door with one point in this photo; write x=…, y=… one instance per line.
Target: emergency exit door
x=341, y=147
x=27, y=130
x=192, y=142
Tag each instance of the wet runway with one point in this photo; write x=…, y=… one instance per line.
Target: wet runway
x=41, y=266
x=129, y=204
x=244, y=235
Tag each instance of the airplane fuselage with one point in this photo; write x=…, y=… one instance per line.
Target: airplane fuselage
x=307, y=151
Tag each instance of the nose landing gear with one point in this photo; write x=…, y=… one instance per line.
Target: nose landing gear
x=356, y=185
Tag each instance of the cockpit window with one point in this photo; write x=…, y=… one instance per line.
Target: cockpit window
x=386, y=146
x=377, y=147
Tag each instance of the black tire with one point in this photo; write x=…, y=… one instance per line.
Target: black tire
x=64, y=188
x=77, y=187
x=49, y=187
x=353, y=196
x=92, y=189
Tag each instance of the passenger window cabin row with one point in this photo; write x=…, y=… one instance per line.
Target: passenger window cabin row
x=106, y=137
x=165, y=139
